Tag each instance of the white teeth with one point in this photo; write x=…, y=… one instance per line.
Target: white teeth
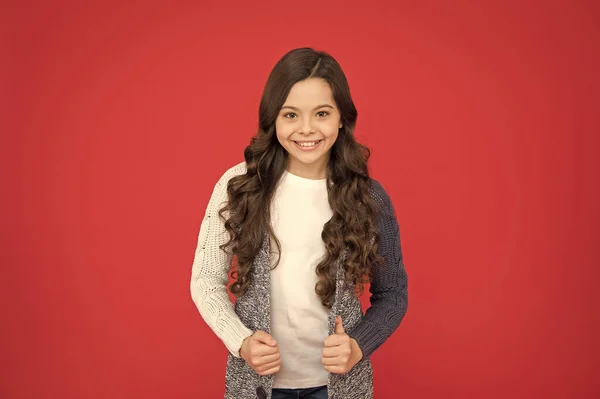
x=308, y=144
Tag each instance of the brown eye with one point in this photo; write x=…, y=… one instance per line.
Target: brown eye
x=322, y=113
x=290, y=115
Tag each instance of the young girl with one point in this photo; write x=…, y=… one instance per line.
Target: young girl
x=308, y=227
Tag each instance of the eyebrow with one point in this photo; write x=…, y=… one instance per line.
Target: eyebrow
x=317, y=107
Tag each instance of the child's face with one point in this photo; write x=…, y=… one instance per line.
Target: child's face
x=309, y=116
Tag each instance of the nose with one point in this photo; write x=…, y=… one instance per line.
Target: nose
x=307, y=126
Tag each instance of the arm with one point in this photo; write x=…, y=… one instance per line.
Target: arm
x=209, y=278
x=389, y=286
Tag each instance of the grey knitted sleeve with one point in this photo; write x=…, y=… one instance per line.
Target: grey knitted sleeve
x=389, y=286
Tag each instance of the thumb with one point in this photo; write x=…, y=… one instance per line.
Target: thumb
x=339, y=327
x=264, y=338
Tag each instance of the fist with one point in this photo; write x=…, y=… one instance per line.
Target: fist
x=260, y=351
x=341, y=352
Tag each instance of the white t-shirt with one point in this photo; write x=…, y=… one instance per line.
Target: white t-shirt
x=299, y=210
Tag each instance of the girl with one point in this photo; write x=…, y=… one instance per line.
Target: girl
x=308, y=227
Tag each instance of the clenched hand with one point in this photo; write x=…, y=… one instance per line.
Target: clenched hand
x=341, y=352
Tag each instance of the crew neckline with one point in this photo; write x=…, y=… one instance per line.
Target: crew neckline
x=303, y=180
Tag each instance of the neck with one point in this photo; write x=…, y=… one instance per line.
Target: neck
x=316, y=171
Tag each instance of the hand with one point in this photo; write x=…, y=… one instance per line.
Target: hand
x=260, y=351
x=341, y=352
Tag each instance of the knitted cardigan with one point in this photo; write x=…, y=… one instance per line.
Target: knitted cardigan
x=389, y=302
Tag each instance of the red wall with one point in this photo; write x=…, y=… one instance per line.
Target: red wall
x=483, y=120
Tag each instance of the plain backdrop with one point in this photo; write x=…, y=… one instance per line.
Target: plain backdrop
x=118, y=117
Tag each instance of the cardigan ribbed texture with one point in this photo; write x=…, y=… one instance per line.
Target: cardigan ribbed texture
x=251, y=312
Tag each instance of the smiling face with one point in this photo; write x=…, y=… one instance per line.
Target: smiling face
x=307, y=126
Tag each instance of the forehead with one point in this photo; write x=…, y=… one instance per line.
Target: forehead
x=309, y=92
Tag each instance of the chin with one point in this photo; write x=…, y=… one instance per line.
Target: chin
x=307, y=158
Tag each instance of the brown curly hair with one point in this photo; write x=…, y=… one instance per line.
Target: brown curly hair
x=354, y=221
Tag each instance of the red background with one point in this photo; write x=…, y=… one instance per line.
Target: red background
x=119, y=118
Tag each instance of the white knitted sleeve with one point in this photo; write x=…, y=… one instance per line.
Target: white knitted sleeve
x=210, y=271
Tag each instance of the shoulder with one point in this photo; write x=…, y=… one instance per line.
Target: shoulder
x=233, y=171
x=219, y=191
x=386, y=213
x=379, y=194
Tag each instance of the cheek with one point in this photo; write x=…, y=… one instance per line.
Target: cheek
x=332, y=138
x=282, y=130
x=331, y=131
x=280, y=133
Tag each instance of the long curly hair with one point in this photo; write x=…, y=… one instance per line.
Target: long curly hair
x=354, y=221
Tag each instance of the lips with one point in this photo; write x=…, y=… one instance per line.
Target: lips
x=308, y=143
x=307, y=146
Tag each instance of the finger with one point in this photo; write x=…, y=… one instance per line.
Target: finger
x=342, y=353
x=269, y=366
x=264, y=338
x=260, y=349
x=268, y=359
x=336, y=369
x=331, y=352
x=337, y=339
x=331, y=361
x=269, y=369
x=339, y=327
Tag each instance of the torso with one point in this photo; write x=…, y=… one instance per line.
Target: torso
x=299, y=322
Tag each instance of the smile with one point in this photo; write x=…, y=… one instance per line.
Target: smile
x=307, y=145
